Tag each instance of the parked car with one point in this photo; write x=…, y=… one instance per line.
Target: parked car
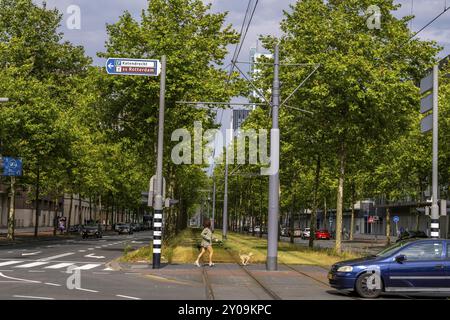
x=411, y=235
x=90, y=231
x=409, y=266
x=323, y=235
x=135, y=227
x=306, y=233
x=75, y=228
x=122, y=228
x=297, y=232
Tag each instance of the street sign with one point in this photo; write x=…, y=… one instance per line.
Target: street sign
x=152, y=188
x=396, y=219
x=12, y=167
x=426, y=83
x=443, y=208
x=133, y=67
x=426, y=124
x=426, y=104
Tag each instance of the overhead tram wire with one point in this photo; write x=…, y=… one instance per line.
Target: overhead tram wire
x=429, y=23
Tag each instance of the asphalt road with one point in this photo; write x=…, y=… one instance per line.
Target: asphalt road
x=47, y=270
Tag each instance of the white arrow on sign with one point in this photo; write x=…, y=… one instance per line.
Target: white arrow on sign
x=92, y=256
x=31, y=253
x=110, y=65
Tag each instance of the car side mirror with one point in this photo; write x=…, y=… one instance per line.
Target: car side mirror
x=400, y=259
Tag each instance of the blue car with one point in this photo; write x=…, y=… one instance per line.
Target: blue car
x=420, y=266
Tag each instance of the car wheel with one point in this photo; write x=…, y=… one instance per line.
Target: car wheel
x=363, y=290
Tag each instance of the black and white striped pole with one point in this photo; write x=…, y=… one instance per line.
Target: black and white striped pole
x=159, y=201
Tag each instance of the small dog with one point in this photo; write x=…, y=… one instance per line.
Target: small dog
x=245, y=258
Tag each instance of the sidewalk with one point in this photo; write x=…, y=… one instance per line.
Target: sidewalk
x=227, y=281
x=26, y=235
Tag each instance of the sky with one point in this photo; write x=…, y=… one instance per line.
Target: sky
x=96, y=14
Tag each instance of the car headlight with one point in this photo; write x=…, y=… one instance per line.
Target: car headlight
x=345, y=269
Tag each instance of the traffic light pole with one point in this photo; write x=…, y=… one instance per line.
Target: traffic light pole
x=274, y=179
x=158, y=213
x=435, y=188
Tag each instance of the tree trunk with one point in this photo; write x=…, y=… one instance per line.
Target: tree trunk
x=80, y=218
x=325, y=223
x=12, y=210
x=261, y=218
x=70, y=211
x=340, y=199
x=313, y=221
x=292, y=220
x=388, y=226
x=55, y=217
x=36, y=226
x=352, y=222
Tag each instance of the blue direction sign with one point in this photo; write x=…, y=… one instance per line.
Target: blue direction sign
x=12, y=166
x=133, y=67
x=396, y=219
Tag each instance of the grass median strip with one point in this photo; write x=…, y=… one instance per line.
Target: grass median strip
x=184, y=249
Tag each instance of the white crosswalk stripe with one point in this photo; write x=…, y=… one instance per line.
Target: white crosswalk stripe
x=47, y=265
x=59, y=266
x=87, y=267
x=8, y=263
x=31, y=265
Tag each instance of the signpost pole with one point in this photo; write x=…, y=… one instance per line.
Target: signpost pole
x=434, y=205
x=12, y=209
x=158, y=213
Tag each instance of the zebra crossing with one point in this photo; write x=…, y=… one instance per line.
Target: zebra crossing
x=49, y=265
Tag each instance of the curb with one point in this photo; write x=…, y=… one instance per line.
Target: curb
x=31, y=240
x=114, y=265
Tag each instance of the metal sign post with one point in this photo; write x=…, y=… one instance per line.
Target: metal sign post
x=11, y=167
x=430, y=123
x=145, y=67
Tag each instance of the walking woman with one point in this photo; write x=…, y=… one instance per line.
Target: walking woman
x=206, y=244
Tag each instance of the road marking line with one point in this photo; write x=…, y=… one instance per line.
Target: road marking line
x=32, y=297
x=58, y=256
x=30, y=265
x=108, y=269
x=7, y=263
x=88, y=290
x=90, y=248
x=24, y=280
x=31, y=253
x=59, y=266
x=127, y=297
x=91, y=255
x=81, y=250
x=53, y=284
x=87, y=267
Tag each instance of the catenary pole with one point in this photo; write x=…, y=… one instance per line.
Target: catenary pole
x=274, y=179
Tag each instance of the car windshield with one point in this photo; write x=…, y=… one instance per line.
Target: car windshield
x=388, y=251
